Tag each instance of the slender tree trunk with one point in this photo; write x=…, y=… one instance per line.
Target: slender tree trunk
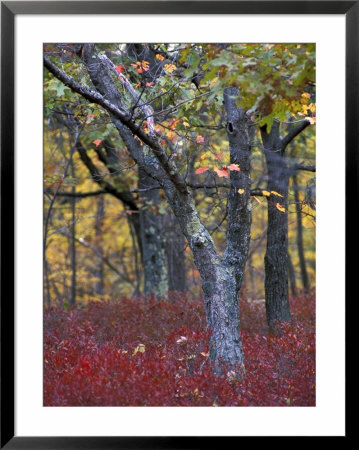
x=292, y=280
x=176, y=261
x=300, y=246
x=276, y=257
x=100, y=269
x=72, y=300
x=147, y=224
x=47, y=279
x=153, y=239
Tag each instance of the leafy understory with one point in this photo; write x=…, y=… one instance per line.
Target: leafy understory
x=145, y=352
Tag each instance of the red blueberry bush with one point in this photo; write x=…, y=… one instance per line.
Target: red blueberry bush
x=145, y=352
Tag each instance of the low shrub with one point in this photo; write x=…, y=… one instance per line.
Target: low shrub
x=145, y=352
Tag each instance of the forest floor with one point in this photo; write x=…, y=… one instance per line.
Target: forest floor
x=145, y=352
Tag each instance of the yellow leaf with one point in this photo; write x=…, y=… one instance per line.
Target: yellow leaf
x=213, y=82
x=186, y=124
x=170, y=135
x=170, y=68
x=306, y=95
x=276, y=193
x=160, y=57
x=140, y=348
x=280, y=207
x=240, y=191
x=266, y=193
x=203, y=157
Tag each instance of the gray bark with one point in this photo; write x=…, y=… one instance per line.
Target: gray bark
x=152, y=239
x=176, y=258
x=221, y=276
x=276, y=257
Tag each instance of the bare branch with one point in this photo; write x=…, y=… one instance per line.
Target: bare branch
x=79, y=194
x=293, y=133
x=95, y=97
x=306, y=168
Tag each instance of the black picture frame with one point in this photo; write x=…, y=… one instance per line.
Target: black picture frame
x=9, y=10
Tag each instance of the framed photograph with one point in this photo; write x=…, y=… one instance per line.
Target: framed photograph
x=176, y=181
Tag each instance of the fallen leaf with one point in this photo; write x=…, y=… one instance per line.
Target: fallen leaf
x=182, y=340
x=199, y=139
x=240, y=191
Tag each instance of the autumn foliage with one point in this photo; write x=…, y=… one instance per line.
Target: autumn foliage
x=145, y=352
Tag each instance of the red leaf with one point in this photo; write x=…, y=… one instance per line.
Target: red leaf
x=234, y=167
x=199, y=139
x=119, y=69
x=222, y=172
x=97, y=142
x=201, y=170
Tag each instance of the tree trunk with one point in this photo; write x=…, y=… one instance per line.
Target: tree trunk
x=300, y=246
x=276, y=257
x=221, y=276
x=292, y=281
x=72, y=240
x=153, y=239
x=146, y=225
x=176, y=261
x=100, y=269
